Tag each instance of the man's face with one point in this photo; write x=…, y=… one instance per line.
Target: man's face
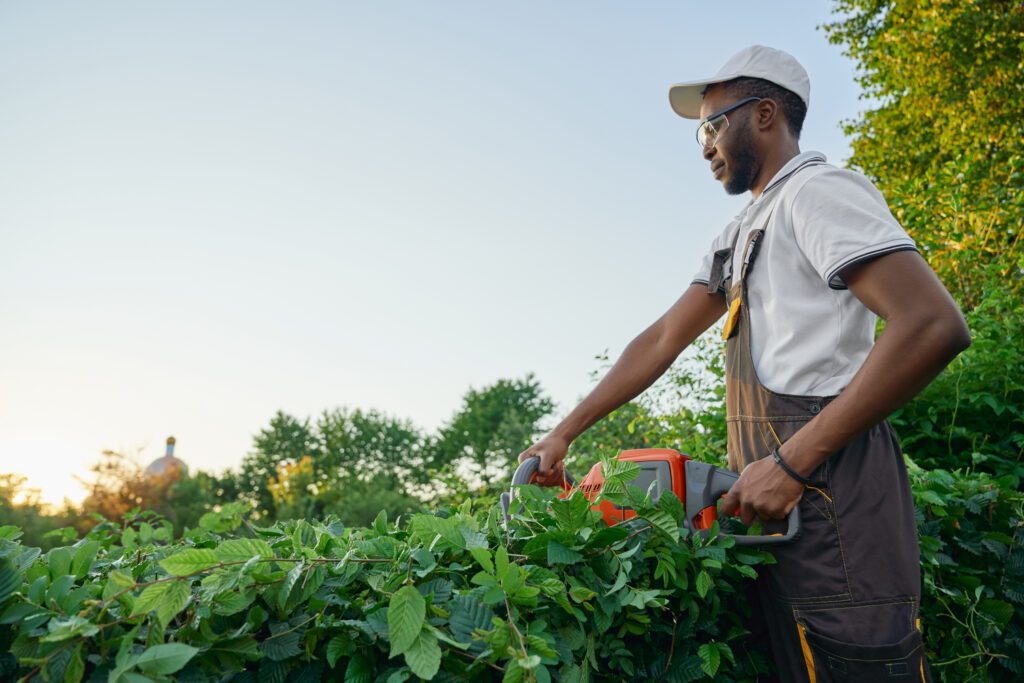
x=734, y=160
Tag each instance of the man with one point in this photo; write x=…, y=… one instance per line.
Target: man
x=801, y=273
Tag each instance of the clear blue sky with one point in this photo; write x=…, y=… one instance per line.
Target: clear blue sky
x=212, y=211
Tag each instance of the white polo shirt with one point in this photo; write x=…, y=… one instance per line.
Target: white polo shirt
x=809, y=334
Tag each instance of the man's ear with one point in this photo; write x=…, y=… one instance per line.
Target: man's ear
x=766, y=114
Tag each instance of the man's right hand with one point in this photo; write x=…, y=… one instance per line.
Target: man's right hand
x=551, y=450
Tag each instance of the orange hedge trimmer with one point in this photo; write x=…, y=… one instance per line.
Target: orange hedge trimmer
x=698, y=486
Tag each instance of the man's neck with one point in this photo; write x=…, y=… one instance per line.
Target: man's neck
x=773, y=163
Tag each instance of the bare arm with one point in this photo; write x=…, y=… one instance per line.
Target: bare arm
x=643, y=361
x=924, y=331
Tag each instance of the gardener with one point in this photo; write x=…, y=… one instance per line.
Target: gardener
x=800, y=274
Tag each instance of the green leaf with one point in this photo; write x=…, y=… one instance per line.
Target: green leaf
x=1000, y=612
x=337, y=647
x=406, y=614
x=283, y=644
x=501, y=563
x=710, y=658
x=483, y=557
x=570, y=514
x=242, y=550
x=83, y=558
x=704, y=583
x=75, y=669
x=290, y=579
x=10, y=579
x=663, y=522
x=167, y=598
x=59, y=561
x=669, y=502
x=559, y=554
x=189, y=561
x=166, y=659
x=122, y=579
x=930, y=496
x=380, y=523
x=428, y=527
x=466, y=615
x=71, y=627
x=359, y=670
x=424, y=656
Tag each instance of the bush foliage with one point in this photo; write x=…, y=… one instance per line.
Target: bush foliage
x=456, y=596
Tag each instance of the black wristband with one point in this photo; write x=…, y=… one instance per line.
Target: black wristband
x=777, y=457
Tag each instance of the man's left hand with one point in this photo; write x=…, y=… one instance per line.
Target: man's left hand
x=764, y=491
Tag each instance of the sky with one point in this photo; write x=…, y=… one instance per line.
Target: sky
x=213, y=211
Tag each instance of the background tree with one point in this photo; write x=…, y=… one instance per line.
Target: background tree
x=286, y=440
x=945, y=139
x=493, y=426
x=945, y=144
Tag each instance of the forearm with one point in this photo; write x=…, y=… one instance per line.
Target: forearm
x=642, y=362
x=910, y=353
x=645, y=359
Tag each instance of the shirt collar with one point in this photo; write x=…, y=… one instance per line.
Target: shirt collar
x=788, y=169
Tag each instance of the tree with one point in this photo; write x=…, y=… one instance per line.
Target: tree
x=493, y=426
x=285, y=440
x=945, y=143
x=369, y=444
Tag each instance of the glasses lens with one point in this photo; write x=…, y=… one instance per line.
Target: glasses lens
x=708, y=132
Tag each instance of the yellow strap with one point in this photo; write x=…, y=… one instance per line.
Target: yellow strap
x=808, y=659
x=733, y=318
x=923, y=679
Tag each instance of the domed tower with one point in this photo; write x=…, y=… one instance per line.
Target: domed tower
x=168, y=466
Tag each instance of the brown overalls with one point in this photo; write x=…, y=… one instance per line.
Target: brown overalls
x=842, y=602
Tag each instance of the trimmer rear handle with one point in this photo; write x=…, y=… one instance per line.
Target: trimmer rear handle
x=705, y=484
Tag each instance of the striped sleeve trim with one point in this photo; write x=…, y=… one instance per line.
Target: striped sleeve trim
x=704, y=283
x=836, y=282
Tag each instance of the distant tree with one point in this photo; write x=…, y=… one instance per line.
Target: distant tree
x=493, y=426
x=119, y=484
x=348, y=463
x=367, y=444
x=21, y=506
x=184, y=501
x=285, y=441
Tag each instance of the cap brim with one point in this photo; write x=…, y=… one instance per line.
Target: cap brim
x=686, y=98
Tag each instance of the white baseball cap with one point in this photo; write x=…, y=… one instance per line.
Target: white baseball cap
x=756, y=61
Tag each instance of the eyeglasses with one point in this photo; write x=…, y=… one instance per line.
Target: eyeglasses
x=715, y=124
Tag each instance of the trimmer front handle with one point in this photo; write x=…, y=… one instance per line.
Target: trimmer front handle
x=527, y=473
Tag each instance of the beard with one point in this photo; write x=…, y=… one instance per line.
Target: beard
x=744, y=166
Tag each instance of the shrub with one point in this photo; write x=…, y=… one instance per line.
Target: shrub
x=971, y=529
x=556, y=596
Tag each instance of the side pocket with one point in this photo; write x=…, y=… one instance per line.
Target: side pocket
x=832, y=658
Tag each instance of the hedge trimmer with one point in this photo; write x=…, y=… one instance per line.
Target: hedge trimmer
x=698, y=486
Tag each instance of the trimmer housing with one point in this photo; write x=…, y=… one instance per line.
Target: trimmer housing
x=698, y=485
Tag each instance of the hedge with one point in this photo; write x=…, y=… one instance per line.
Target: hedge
x=455, y=596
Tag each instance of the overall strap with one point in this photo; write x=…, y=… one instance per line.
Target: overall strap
x=754, y=240
x=721, y=265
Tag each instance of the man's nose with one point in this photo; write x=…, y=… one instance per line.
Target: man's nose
x=709, y=152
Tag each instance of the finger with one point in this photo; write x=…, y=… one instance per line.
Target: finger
x=727, y=504
x=747, y=513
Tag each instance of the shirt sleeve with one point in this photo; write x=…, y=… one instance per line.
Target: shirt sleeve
x=723, y=240
x=840, y=218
